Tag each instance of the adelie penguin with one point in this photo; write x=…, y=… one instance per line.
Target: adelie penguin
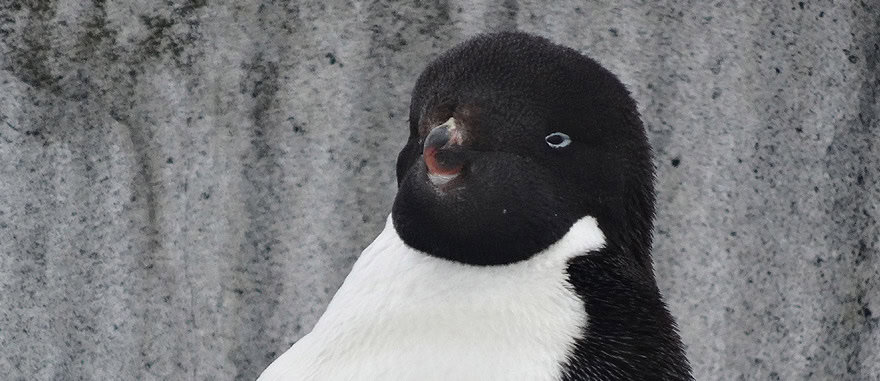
x=518, y=246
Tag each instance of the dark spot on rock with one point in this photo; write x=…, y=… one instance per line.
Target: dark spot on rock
x=801, y=4
x=798, y=129
x=861, y=252
x=331, y=57
x=170, y=160
x=778, y=71
x=676, y=161
x=190, y=6
x=96, y=31
x=866, y=312
x=860, y=180
x=159, y=38
x=716, y=93
x=853, y=58
x=206, y=195
x=613, y=32
x=170, y=33
x=716, y=67
x=822, y=14
x=38, y=134
x=733, y=234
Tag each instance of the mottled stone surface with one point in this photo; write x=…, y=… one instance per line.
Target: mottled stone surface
x=184, y=185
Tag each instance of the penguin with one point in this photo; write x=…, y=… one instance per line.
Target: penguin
x=518, y=244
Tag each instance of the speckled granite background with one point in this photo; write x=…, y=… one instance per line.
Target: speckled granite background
x=184, y=186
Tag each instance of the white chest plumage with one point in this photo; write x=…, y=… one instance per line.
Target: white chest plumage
x=404, y=315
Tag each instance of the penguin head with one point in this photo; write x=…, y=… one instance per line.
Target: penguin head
x=512, y=140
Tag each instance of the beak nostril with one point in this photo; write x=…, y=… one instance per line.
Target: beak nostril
x=437, y=138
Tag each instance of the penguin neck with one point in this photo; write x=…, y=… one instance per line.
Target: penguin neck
x=631, y=334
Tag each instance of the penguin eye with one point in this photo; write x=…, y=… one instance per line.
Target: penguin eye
x=557, y=140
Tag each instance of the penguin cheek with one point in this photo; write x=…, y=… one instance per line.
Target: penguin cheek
x=406, y=161
x=515, y=182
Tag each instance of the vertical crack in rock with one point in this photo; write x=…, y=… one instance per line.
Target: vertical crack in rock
x=851, y=161
x=188, y=262
x=256, y=270
x=148, y=277
x=862, y=228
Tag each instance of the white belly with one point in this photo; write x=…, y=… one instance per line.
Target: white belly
x=404, y=315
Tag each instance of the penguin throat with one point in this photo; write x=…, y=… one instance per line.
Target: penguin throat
x=403, y=314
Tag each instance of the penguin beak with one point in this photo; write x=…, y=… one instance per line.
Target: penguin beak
x=442, y=152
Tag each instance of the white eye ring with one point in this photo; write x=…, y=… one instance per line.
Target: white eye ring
x=553, y=138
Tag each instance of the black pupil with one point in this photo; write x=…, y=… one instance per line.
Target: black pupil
x=555, y=139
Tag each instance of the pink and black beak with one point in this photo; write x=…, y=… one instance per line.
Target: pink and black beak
x=443, y=152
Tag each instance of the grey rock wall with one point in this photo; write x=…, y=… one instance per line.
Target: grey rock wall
x=184, y=185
